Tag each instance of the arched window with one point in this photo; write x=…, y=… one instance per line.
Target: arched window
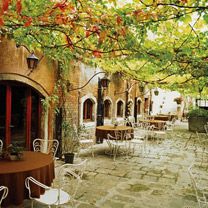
x=120, y=109
x=139, y=107
x=107, y=107
x=87, y=110
x=146, y=105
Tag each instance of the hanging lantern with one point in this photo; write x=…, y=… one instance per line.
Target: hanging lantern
x=156, y=92
x=32, y=61
x=105, y=81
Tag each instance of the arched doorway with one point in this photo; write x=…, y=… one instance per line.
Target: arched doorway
x=20, y=113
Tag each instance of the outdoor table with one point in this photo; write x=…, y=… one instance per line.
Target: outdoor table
x=102, y=131
x=13, y=175
x=162, y=118
x=159, y=124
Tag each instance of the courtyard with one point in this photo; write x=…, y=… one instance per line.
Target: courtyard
x=158, y=179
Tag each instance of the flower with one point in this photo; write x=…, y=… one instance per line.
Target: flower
x=14, y=150
x=114, y=122
x=178, y=100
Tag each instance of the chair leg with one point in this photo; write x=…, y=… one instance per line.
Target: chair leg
x=92, y=150
x=31, y=203
x=115, y=152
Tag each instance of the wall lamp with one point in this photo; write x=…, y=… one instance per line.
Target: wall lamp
x=105, y=81
x=156, y=92
x=32, y=59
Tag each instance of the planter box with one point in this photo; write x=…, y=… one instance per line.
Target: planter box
x=197, y=123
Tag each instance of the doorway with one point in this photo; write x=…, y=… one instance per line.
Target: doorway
x=20, y=114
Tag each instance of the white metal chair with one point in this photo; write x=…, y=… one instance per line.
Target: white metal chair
x=137, y=140
x=69, y=177
x=206, y=129
x=160, y=134
x=51, y=196
x=3, y=193
x=46, y=146
x=201, y=191
x=86, y=142
x=1, y=145
x=117, y=143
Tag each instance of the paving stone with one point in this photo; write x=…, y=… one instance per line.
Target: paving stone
x=123, y=198
x=159, y=179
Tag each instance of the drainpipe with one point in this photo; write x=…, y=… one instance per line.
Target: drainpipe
x=78, y=108
x=100, y=106
x=45, y=130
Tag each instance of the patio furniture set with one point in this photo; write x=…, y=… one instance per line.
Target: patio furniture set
x=33, y=177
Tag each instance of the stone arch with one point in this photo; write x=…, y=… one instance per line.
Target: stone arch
x=139, y=106
x=108, y=112
x=94, y=101
x=26, y=80
x=120, y=108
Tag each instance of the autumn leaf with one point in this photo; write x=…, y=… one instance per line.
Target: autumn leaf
x=1, y=22
x=28, y=22
x=102, y=36
x=43, y=19
x=87, y=33
x=123, y=31
x=95, y=28
x=60, y=19
x=5, y=5
x=184, y=1
x=18, y=6
x=119, y=20
x=61, y=6
x=97, y=54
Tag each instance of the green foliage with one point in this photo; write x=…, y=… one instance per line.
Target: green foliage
x=163, y=42
x=70, y=137
x=198, y=112
x=70, y=140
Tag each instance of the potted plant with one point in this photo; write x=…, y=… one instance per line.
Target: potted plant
x=13, y=152
x=197, y=118
x=178, y=100
x=70, y=141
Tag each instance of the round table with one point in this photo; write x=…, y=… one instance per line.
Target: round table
x=102, y=131
x=13, y=175
x=159, y=124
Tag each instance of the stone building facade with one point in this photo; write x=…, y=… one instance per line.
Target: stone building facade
x=22, y=116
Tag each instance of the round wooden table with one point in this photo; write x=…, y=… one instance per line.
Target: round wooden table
x=102, y=131
x=159, y=124
x=13, y=175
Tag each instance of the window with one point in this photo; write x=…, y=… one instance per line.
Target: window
x=120, y=109
x=139, y=107
x=87, y=112
x=107, y=107
x=146, y=105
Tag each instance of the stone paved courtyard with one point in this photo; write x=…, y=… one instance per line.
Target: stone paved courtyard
x=159, y=179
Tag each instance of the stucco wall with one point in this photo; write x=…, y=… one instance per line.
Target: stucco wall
x=13, y=62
